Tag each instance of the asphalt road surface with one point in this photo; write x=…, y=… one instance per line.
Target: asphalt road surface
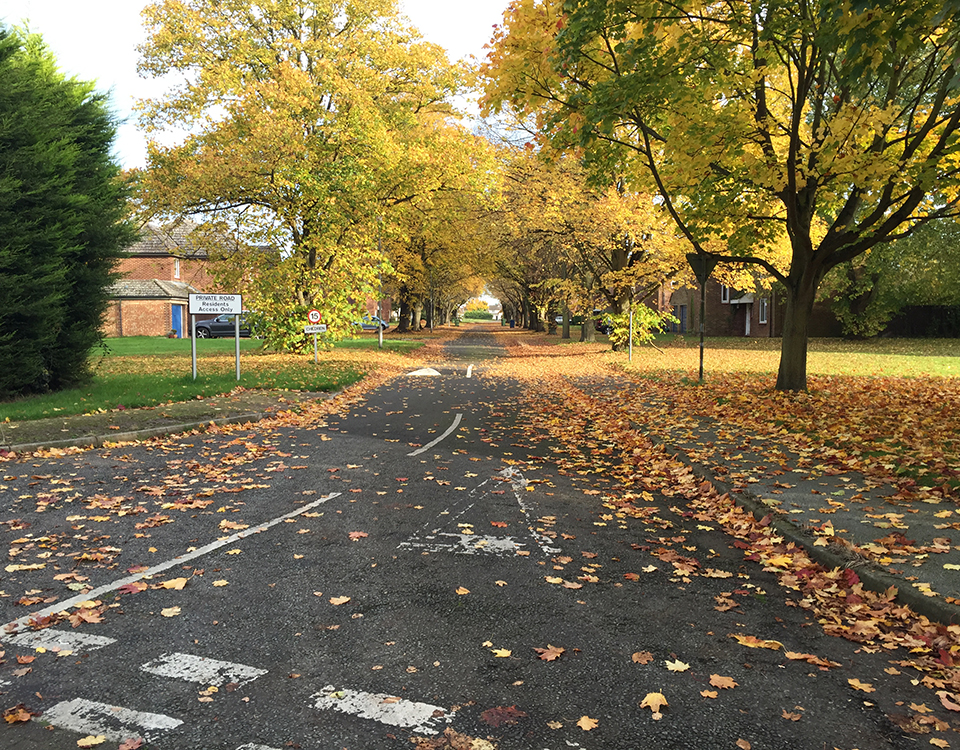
x=410, y=556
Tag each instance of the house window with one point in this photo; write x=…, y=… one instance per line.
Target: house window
x=762, y=312
x=176, y=268
x=725, y=294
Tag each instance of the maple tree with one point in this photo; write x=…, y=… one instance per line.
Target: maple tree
x=304, y=123
x=832, y=124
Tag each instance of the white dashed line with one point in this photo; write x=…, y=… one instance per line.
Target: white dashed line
x=59, y=640
x=113, y=722
x=470, y=371
x=387, y=709
x=178, y=560
x=252, y=746
x=201, y=669
x=450, y=429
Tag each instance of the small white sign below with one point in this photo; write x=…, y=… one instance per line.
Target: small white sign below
x=321, y=328
x=218, y=304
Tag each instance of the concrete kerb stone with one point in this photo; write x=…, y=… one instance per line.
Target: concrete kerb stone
x=98, y=441
x=873, y=579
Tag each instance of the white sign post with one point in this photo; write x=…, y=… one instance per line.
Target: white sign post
x=218, y=304
x=314, y=329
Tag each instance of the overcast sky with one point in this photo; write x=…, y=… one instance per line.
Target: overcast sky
x=96, y=40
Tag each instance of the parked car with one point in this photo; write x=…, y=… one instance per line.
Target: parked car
x=223, y=326
x=602, y=323
x=371, y=323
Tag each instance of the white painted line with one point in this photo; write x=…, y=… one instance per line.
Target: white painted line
x=426, y=372
x=519, y=482
x=253, y=746
x=24, y=621
x=59, y=640
x=465, y=544
x=201, y=669
x=470, y=371
x=113, y=722
x=387, y=709
x=428, y=446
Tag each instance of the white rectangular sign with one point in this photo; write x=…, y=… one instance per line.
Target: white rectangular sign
x=322, y=328
x=217, y=304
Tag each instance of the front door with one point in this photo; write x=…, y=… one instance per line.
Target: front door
x=176, y=320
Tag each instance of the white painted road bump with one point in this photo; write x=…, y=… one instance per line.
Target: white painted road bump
x=113, y=722
x=383, y=708
x=59, y=640
x=465, y=544
x=425, y=372
x=202, y=670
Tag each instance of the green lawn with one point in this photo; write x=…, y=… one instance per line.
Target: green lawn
x=145, y=371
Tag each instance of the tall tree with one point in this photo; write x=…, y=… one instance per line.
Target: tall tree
x=62, y=219
x=753, y=119
x=304, y=120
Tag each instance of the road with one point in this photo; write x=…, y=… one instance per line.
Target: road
x=420, y=565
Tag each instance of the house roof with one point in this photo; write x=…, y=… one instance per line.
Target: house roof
x=173, y=239
x=150, y=289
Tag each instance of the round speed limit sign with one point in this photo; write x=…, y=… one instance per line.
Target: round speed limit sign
x=314, y=316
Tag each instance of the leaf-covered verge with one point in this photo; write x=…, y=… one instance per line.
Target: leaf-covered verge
x=850, y=424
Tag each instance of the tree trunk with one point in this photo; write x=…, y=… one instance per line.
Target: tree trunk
x=796, y=322
x=403, y=326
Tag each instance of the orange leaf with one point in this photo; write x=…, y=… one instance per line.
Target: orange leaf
x=355, y=535
x=709, y=693
x=336, y=601
x=864, y=686
x=550, y=653
x=642, y=657
x=722, y=682
x=654, y=701
x=586, y=723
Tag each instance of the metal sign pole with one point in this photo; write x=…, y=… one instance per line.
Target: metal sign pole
x=236, y=338
x=630, y=357
x=702, y=265
x=315, y=361
x=193, y=343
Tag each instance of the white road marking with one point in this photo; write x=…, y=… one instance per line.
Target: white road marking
x=24, y=621
x=60, y=640
x=113, y=722
x=450, y=429
x=465, y=544
x=387, y=709
x=201, y=669
x=519, y=482
x=252, y=746
x=426, y=372
x=470, y=371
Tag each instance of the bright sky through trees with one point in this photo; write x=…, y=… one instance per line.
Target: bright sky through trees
x=97, y=41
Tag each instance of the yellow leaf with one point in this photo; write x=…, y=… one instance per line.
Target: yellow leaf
x=553, y=579
x=709, y=693
x=677, y=666
x=92, y=740
x=234, y=551
x=654, y=701
x=463, y=591
x=500, y=583
x=751, y=641
x=336, y=601
x=864, y=686
x=501, y=652
x=586, y=723
x=780, y=561
x=220, y=583
x=174, y=583
x=937, y=742
x=170, y=611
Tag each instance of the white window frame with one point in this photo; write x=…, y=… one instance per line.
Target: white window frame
x=176, y=268
x=762, y=313
x=724, y=294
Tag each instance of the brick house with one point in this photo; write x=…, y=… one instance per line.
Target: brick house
x=159, y=273
x=733, y=313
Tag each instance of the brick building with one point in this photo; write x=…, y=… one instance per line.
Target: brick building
x=733, y=313
x=161, y=270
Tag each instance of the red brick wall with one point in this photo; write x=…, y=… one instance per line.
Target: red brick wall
x=192, y=272
x=139, y=318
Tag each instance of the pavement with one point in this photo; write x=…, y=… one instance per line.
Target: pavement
x=841, y=518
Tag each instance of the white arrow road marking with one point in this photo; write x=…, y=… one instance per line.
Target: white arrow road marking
x=387, y=709
x=450, y=429
x=470, y=371
x=426, y=372
x=518, y=482
x=60, y=640
x=113, y=722
x=201, y=669
x=24, y=621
